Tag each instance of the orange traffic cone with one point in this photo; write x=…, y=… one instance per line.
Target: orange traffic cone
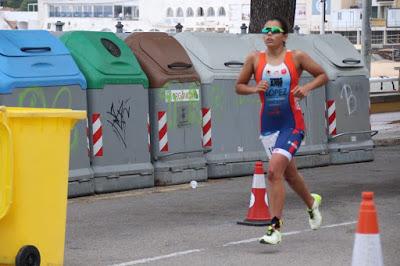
x=367, y=244
x=258, y=213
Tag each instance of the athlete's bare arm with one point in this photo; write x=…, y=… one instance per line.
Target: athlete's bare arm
x=305, y=62
x=248, y=70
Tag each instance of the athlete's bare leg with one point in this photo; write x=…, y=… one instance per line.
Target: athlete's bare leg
x=296, y=182
x=277, y=165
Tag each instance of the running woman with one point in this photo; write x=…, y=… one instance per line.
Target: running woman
x=277, y=71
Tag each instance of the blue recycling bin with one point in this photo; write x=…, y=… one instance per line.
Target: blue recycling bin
x=37, y=70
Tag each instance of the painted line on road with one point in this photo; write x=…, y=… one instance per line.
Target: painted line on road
x=288, y=233
x=146, y=260
x=186, y=252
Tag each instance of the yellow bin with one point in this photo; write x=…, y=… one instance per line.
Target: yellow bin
x=34, y=158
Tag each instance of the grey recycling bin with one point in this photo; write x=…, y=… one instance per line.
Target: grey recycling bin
x=117, y=109
x=347, y=100
x=36, y=70
x=231, y=135
x=314, y=149
x=175, y=108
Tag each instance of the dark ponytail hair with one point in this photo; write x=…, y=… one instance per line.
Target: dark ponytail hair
x=284, y=23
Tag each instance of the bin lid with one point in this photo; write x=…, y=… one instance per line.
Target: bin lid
x=29, y=43
x=328, y=46
x=43, y=112
x=35, y=58
x=162, y=57
x=218, y=51
x=104, y=59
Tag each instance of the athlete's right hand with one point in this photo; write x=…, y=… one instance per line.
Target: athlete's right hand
x=262, y=86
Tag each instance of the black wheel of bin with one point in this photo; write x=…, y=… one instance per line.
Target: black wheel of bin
x=28, y=256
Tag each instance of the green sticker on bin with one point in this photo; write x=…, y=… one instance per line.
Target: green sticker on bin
x=186, y=95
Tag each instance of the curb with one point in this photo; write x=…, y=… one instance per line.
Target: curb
x=386, y=142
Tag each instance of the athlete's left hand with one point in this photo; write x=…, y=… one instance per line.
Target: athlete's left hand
x=300, y=92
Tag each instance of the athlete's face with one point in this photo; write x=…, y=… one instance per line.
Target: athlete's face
x=274, y=35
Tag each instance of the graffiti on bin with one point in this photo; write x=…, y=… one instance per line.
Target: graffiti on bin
x=351, y=100
x=217, y=101
x=184, y=101
x=119, y=114
x=35, y=97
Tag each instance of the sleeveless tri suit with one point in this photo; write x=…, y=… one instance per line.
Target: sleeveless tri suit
x=281, y=119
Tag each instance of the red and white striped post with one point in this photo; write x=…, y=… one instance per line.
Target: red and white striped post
x=163, y=131
x=331, y=117
x=97, y=135
x=206, y=113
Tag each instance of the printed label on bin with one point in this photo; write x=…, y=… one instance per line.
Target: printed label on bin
x=188, y=95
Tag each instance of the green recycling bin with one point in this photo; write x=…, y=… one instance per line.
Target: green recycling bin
x=117, y=110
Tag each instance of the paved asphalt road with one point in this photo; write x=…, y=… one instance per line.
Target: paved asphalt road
x=178, y=225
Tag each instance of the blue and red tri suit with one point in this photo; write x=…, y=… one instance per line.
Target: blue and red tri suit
x=280, y=113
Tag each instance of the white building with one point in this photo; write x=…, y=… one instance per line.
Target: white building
x=343, y=16
x=144, y=15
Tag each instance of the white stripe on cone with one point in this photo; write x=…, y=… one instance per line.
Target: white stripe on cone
x=367, y=250
x=258, y=181
x=252, y=200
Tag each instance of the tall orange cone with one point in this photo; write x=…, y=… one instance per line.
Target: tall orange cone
x=258, y=213
x=367, y=244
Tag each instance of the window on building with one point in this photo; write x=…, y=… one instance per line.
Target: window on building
x=393, y=37
x=32, y=7
x=377, y=37
x=118, y=12
x=128, y=12
x=66, y=11
x=77, y=11
x=108, y=11
x=374, y=12
x=221, y=12
x=51, y=11
x=98, y=11
x=189, y=12
x=135, y=12
x=87, y=11
x=200, y=12
x=57, y=11
x=339, y=15
x=170, y=12
x=179, y=12
x=210, y=12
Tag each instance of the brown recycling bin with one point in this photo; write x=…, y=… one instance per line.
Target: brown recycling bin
x=174, y=108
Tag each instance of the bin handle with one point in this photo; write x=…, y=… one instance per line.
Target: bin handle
x=35, y=49
x=6, y=173
x=372, y=132
x=351, y=61
x=180, y=65
x=233, y=63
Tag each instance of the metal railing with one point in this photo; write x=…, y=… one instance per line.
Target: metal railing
x=384, y=79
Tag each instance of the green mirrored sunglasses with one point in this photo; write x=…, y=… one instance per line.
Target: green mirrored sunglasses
x=273, y=30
